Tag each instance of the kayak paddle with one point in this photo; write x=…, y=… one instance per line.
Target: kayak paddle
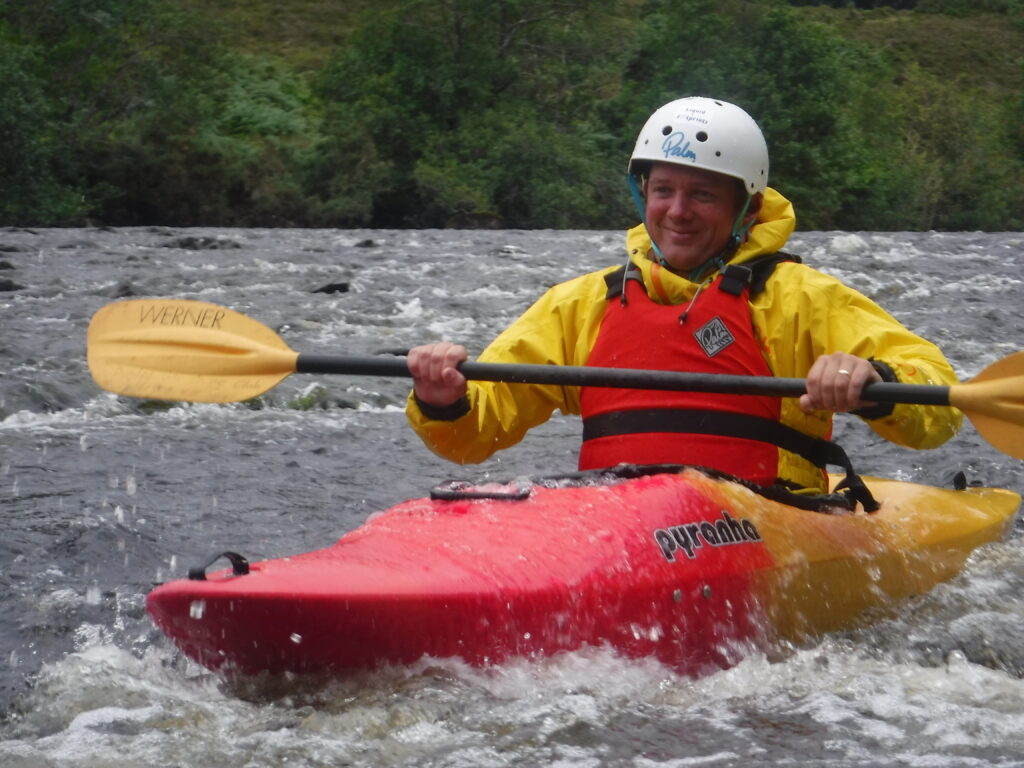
x=179, y=349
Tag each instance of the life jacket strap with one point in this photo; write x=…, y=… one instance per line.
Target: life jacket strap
x=820, y=453
x=754, y=273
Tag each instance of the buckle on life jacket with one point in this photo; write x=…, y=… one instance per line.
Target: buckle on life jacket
x=735, y=279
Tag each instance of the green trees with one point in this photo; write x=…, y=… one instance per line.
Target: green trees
x=511, y=113
x=472, y=111
x=133, y=112
x=30, y=145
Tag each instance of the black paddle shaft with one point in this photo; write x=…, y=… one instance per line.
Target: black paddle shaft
x=624, y=378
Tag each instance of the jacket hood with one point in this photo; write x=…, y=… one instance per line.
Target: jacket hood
x=775, y=223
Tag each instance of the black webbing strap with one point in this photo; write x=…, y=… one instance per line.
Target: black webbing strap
x=239, y=566
x=827, y=503
x=820, y=453
x=616, y=281
x=753, y=274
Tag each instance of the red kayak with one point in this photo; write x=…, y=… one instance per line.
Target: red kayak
x=679, y=566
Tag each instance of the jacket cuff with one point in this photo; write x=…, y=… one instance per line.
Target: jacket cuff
x=879, y=410
x=450, y=412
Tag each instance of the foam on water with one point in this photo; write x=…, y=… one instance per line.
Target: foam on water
x=820, y=706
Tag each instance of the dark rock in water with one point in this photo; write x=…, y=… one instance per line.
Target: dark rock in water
x=6, y=265
x=332, y=288
x=201, y=243
x=986, y=638
x=122, y=290
x=368, y=243
x=10, y=285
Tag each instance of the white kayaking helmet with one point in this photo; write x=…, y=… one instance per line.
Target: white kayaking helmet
x=704, y=133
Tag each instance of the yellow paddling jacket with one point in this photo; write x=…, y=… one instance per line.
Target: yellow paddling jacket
x=799, y=315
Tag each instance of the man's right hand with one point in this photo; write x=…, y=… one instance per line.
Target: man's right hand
x=436, y=380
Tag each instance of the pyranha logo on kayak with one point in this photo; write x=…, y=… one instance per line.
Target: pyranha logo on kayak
x=690, y=537
x=713, y=336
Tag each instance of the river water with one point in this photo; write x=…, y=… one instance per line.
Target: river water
x=102, y=497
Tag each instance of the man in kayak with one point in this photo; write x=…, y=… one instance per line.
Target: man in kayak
x=706, y=288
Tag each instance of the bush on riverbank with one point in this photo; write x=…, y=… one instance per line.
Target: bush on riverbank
x=513, y=114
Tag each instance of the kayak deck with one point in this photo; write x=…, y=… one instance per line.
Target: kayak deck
x=681, y=566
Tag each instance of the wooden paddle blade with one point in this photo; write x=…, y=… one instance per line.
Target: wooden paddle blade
x=994, y=402
x=177, y=349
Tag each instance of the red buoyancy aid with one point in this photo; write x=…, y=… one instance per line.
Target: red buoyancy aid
x=714, y=334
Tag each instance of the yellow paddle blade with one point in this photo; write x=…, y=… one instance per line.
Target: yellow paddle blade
x=177, y=349
x=994, y=402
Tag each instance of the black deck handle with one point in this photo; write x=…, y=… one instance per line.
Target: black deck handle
x=239, y=566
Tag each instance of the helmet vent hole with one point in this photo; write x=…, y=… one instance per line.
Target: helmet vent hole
x=701, y=136
x=718, y=153
x=666, y=130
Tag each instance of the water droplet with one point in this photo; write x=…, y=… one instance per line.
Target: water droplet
x=295, y=637
x=197, y=609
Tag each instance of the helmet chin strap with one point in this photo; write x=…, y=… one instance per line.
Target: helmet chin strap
x=641, y=208
x=739, y=231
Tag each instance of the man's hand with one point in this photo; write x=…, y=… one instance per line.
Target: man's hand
x=436, y=380
x=835, y=382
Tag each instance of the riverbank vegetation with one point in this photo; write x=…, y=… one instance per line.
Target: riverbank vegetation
x=906, y=114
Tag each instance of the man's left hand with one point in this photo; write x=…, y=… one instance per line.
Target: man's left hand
x=835, y=382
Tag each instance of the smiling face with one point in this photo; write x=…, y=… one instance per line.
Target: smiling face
x=690, y=213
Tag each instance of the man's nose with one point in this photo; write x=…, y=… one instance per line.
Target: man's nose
x=679, y=207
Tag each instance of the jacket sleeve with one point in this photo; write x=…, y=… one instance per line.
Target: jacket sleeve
x=831, y=317
x=558, y=329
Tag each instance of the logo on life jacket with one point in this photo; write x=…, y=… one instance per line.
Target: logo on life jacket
x=690, y=537
x=713, y=336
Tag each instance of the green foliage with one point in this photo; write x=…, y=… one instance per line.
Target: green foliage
x=30, y=192
x=864, y=4
x=969, y=175
x=970, y=7
x=519, y=113
x=314, y=398
x=517, y=168
x=230, y=151
x=469, y=111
